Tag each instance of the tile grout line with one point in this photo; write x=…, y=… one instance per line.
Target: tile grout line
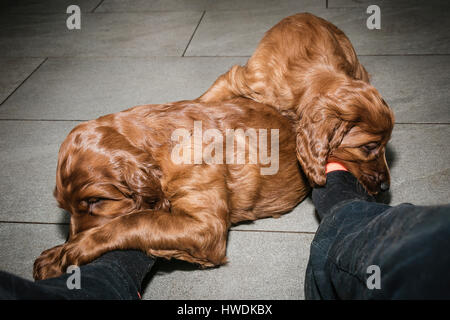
x=35, y=222
x=216, y=56
x=47, y=120
x=6, y=99
x=98, y=5
x=193, y=34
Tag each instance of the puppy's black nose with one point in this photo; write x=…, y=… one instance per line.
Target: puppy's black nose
x=384, y=186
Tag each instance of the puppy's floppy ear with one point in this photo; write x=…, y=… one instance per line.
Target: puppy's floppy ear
x=143, y=182
x=319, y=131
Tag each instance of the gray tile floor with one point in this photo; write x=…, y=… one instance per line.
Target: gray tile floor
x=136, y=52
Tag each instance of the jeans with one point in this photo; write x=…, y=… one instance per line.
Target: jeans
x=368, y=250
x=115, y=275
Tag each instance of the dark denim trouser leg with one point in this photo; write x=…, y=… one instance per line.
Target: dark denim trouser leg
x=409, y=244
x=115, y=275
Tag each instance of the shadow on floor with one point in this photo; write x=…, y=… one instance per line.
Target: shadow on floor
x=391, y=159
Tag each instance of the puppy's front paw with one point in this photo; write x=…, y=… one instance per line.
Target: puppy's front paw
x=81, y=249
x=47, y=264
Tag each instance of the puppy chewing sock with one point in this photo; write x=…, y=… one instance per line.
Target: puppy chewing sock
x=334, y=166
x=341, y=186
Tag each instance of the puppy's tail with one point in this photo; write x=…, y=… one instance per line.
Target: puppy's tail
x=229, y=85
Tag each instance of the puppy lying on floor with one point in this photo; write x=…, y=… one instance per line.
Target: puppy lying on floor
x=307, y=69
x=128, y=184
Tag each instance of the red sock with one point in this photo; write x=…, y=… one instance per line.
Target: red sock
x=334, y=166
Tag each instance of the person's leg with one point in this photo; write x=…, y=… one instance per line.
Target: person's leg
x=115, y=275
x=409, y=245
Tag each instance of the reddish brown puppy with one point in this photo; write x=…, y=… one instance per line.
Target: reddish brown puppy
x=307, y=69
x=117, y=178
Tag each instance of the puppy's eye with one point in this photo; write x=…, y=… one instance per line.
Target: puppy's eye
x=93, y=200
x=86, y=203
x=370, y=147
